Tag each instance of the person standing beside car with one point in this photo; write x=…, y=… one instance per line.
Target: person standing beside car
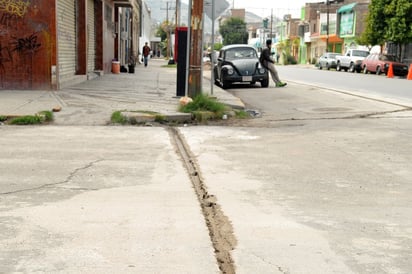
x=146, y=53
x=268, y=63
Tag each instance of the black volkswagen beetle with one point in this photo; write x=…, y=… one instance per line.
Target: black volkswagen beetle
x=239, y=64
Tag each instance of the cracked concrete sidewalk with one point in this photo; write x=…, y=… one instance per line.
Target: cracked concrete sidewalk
x=151, y=88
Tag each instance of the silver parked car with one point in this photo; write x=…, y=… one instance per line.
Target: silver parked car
x=328, y=60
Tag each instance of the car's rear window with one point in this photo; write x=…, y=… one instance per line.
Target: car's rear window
x=360, y=53
x=389, y=58
x=240, y=53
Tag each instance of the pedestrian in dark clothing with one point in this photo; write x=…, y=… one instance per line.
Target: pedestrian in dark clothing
x=268, y=63
x=146, y=54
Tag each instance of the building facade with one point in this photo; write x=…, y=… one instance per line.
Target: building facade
x=46, y=44
x=333, y=27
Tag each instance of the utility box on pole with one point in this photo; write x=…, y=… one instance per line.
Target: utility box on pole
x=180, y=59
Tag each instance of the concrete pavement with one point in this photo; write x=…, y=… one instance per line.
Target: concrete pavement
x=93, y=199
x=98, y=199
x=151, y=88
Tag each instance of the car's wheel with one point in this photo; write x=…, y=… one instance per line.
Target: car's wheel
x=378, y=70
x=365, y=70
x=338, y=67
x=352, y=68
x=216, y=76
x=264, y=83
x=225, y=84
x=320, y=66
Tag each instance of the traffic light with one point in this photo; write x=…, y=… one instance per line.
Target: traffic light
x=265, y=23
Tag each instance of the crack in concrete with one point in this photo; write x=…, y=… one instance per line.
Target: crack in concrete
x=356, y=116
x=67, y=180
x=219, y=226
x=269, y=263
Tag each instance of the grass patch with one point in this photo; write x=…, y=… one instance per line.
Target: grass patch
x=3, y=118
x=118, y=118
x=204, y=103
x=241, y=114
x=26, y=120
x=160, y=118
x=39, y=118
x=170, y=66
x=46, y=116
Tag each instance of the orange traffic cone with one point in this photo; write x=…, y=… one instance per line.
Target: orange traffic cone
x=390, y=71
x=410, y=73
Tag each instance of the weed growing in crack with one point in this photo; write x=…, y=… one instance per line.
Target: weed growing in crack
x=206, y=104
x=118, y=118
x=41, y=117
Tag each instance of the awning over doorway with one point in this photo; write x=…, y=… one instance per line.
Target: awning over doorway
x=333, y=38
x=346, y=8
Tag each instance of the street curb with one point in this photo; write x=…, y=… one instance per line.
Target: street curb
x=141, y=118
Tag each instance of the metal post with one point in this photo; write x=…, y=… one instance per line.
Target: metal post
x=212, y=55
x=327, y=25
x=189, y=39
x=168, y=31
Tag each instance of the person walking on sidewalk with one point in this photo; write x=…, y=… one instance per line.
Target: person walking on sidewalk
x=268, y=63
x=146, y=53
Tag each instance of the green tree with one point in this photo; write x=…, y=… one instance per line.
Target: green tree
x=388, y=21
x=374, y=33
x=164, y=31
x=234, y=31
x=161, y=31
x=399, y=21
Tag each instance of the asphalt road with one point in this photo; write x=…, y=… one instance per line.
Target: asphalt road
x=331, y=161
x=395, y=89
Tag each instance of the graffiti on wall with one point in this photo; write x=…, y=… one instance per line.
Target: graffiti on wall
x=5, y=56
x=25, y=47
x=20, y=40
x=13, y=7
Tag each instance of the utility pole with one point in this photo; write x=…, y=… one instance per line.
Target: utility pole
x=168, y=31
x=196, y=53
x=271, y=23
x=177, y=13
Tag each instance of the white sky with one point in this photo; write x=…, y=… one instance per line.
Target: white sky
x=264, y=8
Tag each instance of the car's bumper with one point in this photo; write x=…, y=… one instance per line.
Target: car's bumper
x=398, y=70
x=245, y=79
x=358, y=65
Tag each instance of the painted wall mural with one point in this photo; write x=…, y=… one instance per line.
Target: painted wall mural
x=26, y=44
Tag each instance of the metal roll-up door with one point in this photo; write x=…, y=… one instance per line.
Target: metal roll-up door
x=91, y=37
x=66, y=42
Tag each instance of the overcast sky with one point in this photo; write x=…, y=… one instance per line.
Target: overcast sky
x=263, y=8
